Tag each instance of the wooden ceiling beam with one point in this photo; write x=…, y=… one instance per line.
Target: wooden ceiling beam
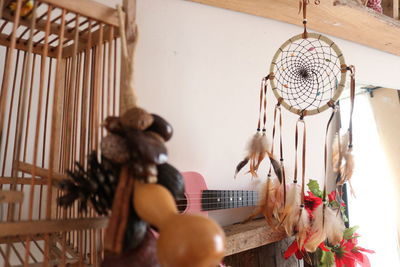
x=346, y=19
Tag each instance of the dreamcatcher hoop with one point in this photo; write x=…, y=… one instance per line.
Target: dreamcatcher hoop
x=304, y=74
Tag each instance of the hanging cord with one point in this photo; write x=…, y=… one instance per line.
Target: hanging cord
x=278, y=120
x=265, y=103
x=303, y=155
x=261, y=104
x=352, y=70
x=333, y=106
x=303, y=5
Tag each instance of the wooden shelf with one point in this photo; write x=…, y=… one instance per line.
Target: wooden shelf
x=347, y=19
x=241, y=237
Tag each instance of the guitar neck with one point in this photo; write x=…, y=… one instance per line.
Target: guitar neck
x=228, y=199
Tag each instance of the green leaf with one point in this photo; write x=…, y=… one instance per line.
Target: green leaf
x=349, y=232
x=314, y=188
x=327, y=259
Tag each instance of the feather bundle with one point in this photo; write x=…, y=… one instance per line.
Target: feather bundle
x=268, y=202
x=327, y=224
x=257, y=150
x=271, y=203
x=342, y=158
x=303, y=227
x=317, y=233
x=339, y=146
x=291, y=212
x=333, y=226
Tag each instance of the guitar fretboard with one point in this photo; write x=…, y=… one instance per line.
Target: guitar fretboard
x=228, y=199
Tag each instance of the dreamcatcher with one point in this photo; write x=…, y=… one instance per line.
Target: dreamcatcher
x=307, y=76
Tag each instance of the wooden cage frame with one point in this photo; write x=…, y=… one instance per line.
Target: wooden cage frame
x=60, y=79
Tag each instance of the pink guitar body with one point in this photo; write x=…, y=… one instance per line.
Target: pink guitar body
x=198, y=199
x=194, y=187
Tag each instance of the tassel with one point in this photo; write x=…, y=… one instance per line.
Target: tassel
x=346, y=171
x=291, y=211
x=327, y=224
x=317, y=233
x=339, y=146
x=303, y=227
x=241, y=165
x=257, y=150
x=342, y=158
x=268, y=202
x=334, y=226
x=271, y=202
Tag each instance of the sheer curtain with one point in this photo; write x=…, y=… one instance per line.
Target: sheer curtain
x=375, y=205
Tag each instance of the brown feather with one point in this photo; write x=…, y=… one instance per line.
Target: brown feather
x=291, y=211
x=241, y=165
x=303, y=227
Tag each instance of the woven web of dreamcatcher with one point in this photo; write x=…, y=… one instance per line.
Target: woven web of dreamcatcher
x=307, y=72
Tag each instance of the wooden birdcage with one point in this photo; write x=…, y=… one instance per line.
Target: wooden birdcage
x=58, y=69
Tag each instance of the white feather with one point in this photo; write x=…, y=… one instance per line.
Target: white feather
x=292, y=208
x=334, y=226
x=317, y=233
x=339, y=151
x=303, y=227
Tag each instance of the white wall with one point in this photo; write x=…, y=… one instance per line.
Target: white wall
x=200, y=67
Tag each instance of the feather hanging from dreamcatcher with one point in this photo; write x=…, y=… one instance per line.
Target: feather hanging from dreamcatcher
x=293, y=217
x=274, y=192
x=342, y=156
x=258, y=146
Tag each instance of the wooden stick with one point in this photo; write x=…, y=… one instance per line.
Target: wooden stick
x=24, y=228
x=71, y=103
x=103, y=84
x=21, y=181
x=40, y=172
x=396, y=9
x=118, y=214
x=128, y=98
x=10, y=113
x=26, y=127
x=97, y=88
x=18, y=133
x=115, y=80
x=119, y=237
x=109, y=70
x=38, y=123
x=6, y=74
x=45, y=133
x=3, y=99
x=1, y=8
x=85, y=102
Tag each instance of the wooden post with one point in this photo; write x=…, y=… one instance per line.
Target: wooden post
x=127, y=95
x=391, y=8
x=396, y=7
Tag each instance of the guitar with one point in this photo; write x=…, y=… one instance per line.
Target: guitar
x=198, y=199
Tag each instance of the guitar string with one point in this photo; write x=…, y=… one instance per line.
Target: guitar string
x=210, y=193
x=237, y=197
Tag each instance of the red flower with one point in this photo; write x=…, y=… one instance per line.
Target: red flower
x=348, y=254
x=311, y=202
x=332, y=196
x=294, y=249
